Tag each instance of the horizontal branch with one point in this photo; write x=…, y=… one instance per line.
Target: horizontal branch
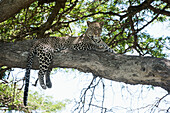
x=122, y=68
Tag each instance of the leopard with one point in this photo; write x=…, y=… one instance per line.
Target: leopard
x=45, y=48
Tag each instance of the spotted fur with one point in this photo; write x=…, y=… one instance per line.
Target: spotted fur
x=44, y=49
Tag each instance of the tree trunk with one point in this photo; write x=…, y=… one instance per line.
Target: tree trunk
x=8, y=8
x=116, y=67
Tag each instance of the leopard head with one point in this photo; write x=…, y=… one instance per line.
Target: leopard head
x=94, y=30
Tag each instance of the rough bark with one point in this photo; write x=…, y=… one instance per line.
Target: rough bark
x=122, y=68
x=8, y=8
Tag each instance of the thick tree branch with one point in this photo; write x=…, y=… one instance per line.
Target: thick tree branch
x=132, y=10
x=8, y=8
x=122, y=68
x=58, y=5
x=155, y=10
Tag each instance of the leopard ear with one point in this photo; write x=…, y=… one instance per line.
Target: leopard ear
x=88, y=23
x=101, y=23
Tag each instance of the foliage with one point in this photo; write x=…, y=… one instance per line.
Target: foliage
x=45, y=104
x=11, y=98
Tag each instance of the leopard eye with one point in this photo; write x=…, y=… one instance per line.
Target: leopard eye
x=96, y=28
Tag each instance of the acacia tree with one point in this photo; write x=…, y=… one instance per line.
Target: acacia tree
x=124, y=24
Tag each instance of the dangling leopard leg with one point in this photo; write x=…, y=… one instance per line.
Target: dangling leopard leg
x=48, y=81
x=41, y=78
x=44, y=61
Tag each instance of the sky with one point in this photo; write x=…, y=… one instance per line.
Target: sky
x=160, y=30
x=119, y=97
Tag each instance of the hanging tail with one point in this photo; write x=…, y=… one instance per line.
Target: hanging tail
x=27, y=73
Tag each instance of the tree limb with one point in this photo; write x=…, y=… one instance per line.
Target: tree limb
x=8, y=8
x=58, y=4
x=121, y=68
x=160, y=11
x=166, y=1
x=132, y=10
x=89, y=15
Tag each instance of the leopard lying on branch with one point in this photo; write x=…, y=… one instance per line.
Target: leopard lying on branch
x=44, y=49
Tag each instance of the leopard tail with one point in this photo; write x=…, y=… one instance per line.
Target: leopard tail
x=27, y=73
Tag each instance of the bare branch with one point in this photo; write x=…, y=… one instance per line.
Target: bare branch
x=103, y=97
x=158, y=102
x=83, y=99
